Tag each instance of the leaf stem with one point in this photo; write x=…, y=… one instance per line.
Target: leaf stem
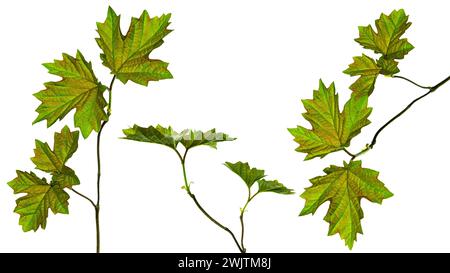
x=408, y=80
x=378, y=132
x=108, y=111
x=85, y=197
x=188, y=190
x=349, y=153
x=99, y=167
x=363, y=151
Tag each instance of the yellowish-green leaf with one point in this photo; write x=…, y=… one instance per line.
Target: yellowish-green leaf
x=53, y=161
x=344, y=187
x=41, y=196
x=128, y=56
x=65, y=143
x=331, y=130
x=354, y=118
x=387, y=40
x=362, y=66
x=45, y=159
x=38, y=199
x=79, y=89
x=368, y=70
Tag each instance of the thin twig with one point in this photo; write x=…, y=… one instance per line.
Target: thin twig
x=431, y=90
x=378, y=132
x=99, y=168
x=374, y=139
x=408, y=80
x=348, y=152
x=188, y=190
x=241, y=217
x=85, y=197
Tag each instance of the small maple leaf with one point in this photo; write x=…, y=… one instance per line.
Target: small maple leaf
x=128, y=56
x=332, y=130
x=344, y=187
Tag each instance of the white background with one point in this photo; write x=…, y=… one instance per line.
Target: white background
x=241, y=67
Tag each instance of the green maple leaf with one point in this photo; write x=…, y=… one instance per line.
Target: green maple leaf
x=40, y=197
x=253, y=175
x=368, y=70
x=331, y=130
x=128, y=56
x=344, y=187
x=387, y=40
x=170, y=138
x=273, y=186
x=248, y=175
x=79, y=89
x=53, y=161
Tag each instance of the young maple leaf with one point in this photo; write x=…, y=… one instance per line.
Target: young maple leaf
x=368, y=70
x=344, y=187
x=53, y=161
x=79, y=89
x=250, y=176
x=386, y=41
x=332, y=130
x=128, y=56
x=40, y=196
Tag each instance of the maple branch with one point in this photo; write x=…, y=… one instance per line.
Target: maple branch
x=99, y=135
x=188, y=190
x=440, y=84
x=431, y=90
x=374, y=139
